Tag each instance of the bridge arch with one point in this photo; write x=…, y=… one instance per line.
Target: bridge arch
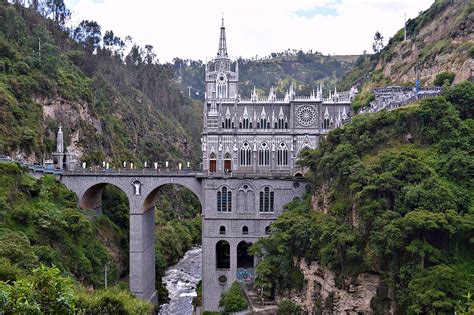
x=150, y=192
x=90, y=196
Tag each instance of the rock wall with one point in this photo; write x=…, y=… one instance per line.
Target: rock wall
x=356, y=295
x=71, y=115
x=443, y=44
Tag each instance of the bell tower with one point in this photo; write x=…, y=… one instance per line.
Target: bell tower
x=221, y=79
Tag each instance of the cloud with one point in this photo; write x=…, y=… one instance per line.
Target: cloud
x=190, y=29
x=324, y=11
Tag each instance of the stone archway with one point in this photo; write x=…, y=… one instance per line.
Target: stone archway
x=141, y=192
x=151, y=191
x=142, y=233
x=90, y=196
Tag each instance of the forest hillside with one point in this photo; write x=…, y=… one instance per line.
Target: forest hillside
x=113, y=106
x=389, y=226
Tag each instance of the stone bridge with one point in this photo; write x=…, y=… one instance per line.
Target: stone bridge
x=141, y=188
x=237, y=210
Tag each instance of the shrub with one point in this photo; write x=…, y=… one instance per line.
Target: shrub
x=444, y=78
x=288, y=307
x=233, y=300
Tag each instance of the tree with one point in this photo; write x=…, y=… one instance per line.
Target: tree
x=444, y=78
x=378, y=42
x=60, y=14
x=150, y=54
x=233, y=300
x=437, y=290
x=288, y=307
x=88, y=34
x=462, y=97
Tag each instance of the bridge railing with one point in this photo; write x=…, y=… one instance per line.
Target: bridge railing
x=141, y=172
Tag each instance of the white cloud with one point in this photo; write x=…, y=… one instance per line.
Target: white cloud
x=190, y=28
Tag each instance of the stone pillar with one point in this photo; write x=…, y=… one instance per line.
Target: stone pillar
x=142, y=255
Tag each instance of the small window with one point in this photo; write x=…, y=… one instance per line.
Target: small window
x=222, y=230
x=267, y=230
x=245, y=230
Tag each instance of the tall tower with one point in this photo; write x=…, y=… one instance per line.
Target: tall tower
x=59, y=155
x=221, y=81
x=60, y=140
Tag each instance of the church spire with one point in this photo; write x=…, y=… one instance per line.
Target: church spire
x=222, y=52
x=60, y=140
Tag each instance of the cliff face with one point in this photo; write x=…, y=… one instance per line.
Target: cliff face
x=356, y=295
x=438, y=40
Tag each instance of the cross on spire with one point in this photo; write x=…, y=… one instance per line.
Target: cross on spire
x=222, y=52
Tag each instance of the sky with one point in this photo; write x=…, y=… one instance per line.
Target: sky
x=189, y=29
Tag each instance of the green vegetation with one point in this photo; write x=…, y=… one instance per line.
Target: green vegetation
x=288, y=307
x=444, y=78
x=46, y=291
x=233, y=300
x=118, y=107
x=49, y=249
x=400, y=199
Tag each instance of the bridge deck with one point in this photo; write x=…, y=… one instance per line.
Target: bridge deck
x=174, y=173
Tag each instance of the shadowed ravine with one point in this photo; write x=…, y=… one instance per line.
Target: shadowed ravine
x=181, y=281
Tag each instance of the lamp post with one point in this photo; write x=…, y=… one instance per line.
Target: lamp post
x=106, y=269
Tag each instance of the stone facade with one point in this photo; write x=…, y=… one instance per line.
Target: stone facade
x=262, y=135
x=250, y=147
x=244, y=191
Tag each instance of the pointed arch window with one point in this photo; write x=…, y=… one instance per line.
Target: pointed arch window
x=282, y=155
x=245, y=155
x=245, y=230
x=245, y=123
x=281, y=123
x=226, y=123
x=264, y=154
x=267, y=197
x=326, y=123
x=224, y=200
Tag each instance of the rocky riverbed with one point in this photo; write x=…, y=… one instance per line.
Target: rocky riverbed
x=181, y=281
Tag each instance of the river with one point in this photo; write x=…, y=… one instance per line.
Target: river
x=181, y=281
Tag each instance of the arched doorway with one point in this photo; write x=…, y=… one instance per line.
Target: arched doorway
x=245, y=262
x=212, y=163
x=222, y=255
x=227, y=163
